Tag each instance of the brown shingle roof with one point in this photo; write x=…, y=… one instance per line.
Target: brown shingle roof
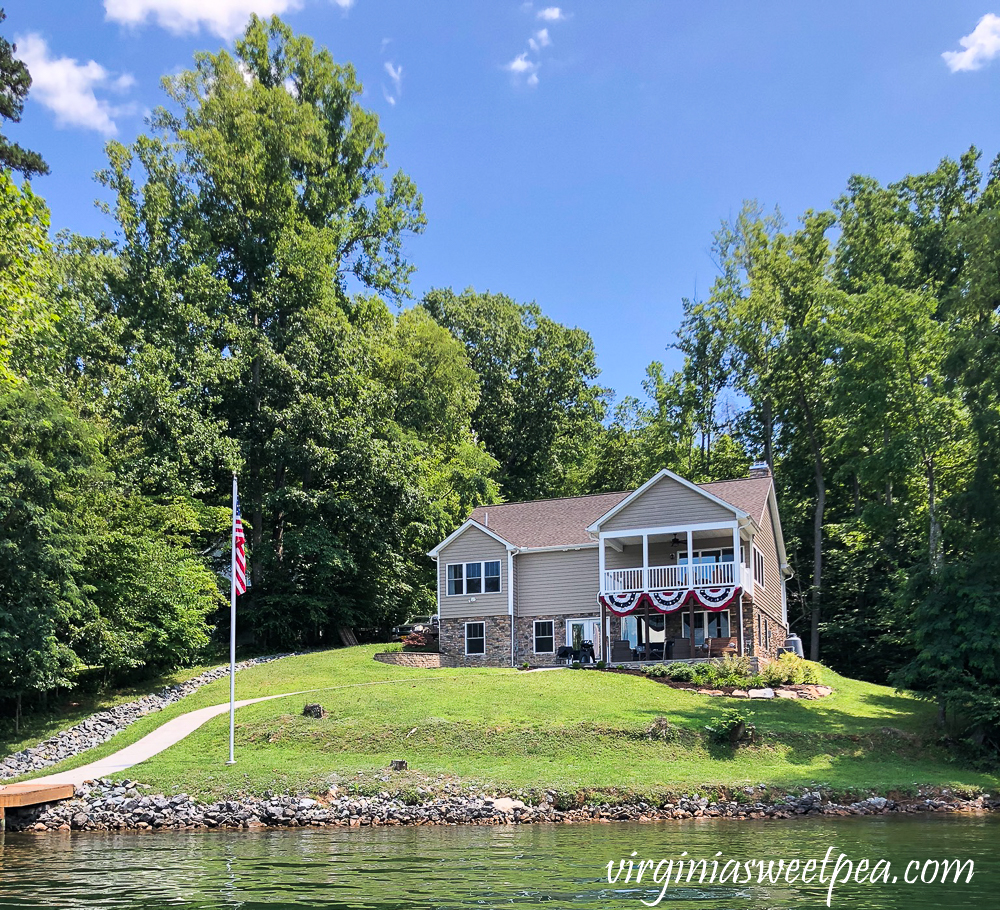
x=564, y=522
x=746, y=493
x=547, y=522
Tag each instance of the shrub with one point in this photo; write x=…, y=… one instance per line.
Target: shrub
x=525, y=666
x=733, y=671
x=657, y=671
x=789, y=670
x=681, y=672
x=393, y=648
x=706, y=674
x=733, y=727
x=576, y=665
x=601, y=664
x=417, y=641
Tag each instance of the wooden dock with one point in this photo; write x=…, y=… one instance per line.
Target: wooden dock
x=14, y=796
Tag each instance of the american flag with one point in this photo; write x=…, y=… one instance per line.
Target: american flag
x=240, y=544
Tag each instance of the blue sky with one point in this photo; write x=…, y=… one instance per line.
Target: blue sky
x=580, y=155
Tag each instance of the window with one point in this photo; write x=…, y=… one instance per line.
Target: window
x=707, y=624
x=545, y=638
x=759, y=575
x=455, y=579
x=491, y=576
x=704, y=570
x=474, y=578
x=475, y=638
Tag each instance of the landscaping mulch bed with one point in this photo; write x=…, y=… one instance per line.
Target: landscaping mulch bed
x=804, y=691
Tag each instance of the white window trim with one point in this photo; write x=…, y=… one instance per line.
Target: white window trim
x=759, y=578
x=475, y=622
x=534, y=636
x=465, y=577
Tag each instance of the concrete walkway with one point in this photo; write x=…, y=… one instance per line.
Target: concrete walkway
x=173, y=731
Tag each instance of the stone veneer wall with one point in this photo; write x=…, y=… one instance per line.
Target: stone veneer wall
x=452, y=642
x=525, y=644
x=759, y=645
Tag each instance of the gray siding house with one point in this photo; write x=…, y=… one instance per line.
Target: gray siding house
x=635, y=572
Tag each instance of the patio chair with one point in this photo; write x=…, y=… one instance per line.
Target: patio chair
x=621, y=652
x=682, y=649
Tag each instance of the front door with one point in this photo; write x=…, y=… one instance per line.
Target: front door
x=580, y=630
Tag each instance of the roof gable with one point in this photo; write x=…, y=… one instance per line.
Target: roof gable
x=458, y=532
x=653, y=482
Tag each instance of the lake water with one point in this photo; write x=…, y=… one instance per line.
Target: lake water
x=550, y=866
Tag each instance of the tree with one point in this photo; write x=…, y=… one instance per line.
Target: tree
x=15, y=80
x=540, y=409
x=25, y=277
x=50, y=470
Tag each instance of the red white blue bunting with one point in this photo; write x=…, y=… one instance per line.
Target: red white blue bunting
x=713, y=599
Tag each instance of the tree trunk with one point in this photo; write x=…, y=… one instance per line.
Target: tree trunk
x=256, y=490
x=934, y=531
x=817, y=587
x=768, y=419
x=17, y=713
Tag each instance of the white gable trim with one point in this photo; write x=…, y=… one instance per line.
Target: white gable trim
x=470, y=523
x=655, y=479
x=779, y=535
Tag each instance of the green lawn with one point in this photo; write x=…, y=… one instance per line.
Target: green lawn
x=514, y=731
x=69, y=709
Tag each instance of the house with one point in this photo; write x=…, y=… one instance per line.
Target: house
x=518, y=581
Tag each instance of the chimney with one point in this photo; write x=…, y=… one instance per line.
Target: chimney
x=759, y=469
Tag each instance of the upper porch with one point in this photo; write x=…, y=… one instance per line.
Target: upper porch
x=676, y=558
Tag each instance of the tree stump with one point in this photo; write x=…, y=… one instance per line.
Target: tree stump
x=316, y=711
x=397, y=764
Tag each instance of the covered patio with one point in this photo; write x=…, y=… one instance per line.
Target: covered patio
x=674, y=593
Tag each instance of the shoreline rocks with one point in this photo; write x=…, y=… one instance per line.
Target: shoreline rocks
x=100, y=727
x=129, y=806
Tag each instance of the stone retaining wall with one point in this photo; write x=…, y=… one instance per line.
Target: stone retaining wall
x=422, y=660
x=128, y=805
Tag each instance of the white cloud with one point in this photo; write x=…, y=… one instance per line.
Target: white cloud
x=226, y=18
x=395, y=73
x=67, y=87
x=551, y=14
x=539, y=40
x=344, y=4
x=981, y=46
x=522, y=67
x=521, y=64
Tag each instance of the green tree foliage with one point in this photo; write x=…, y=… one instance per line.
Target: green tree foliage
x=540, y=410
x=50, y=474
x=241, y=324
x=15, y=80
x=25, y=277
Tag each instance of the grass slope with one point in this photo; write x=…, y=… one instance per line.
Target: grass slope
x=518, y=731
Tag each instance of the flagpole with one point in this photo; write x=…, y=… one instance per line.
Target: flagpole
x=232, y=637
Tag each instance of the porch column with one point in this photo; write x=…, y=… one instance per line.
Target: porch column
x=600, y=564
x=738, y=567
x=690, y=565
x=645, y=562
x=737, y=562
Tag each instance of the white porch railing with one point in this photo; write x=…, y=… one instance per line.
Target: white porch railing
x=664, y=578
